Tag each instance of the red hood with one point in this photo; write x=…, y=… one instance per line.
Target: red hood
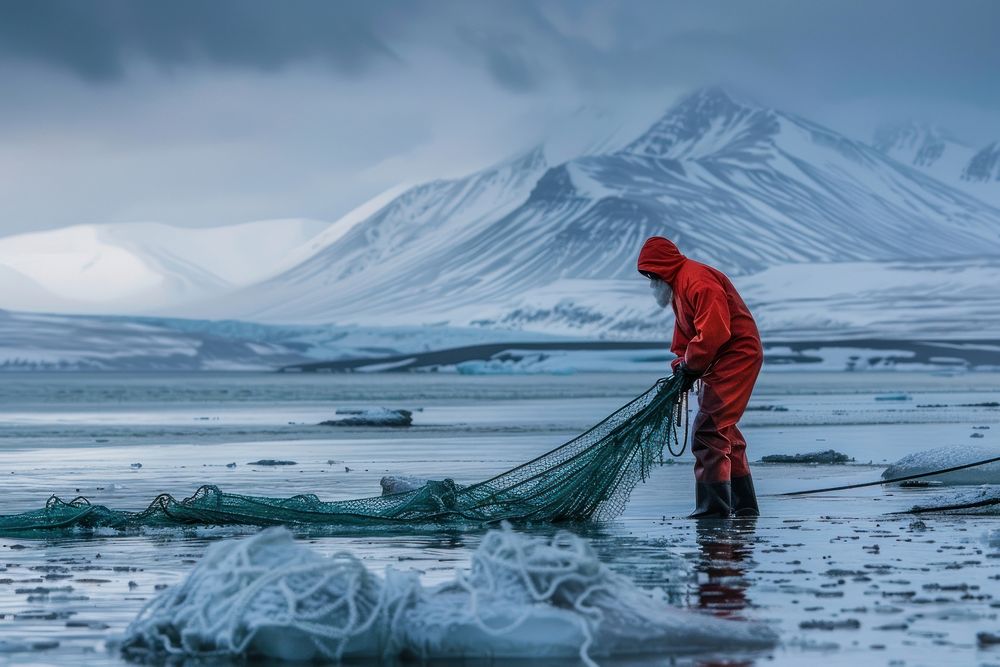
x=661, y=257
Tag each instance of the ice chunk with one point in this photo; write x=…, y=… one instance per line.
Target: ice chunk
x=949, y=457
x=525, y=596
x=516, y=364
x=403, y=483
x=372, y=417
x=400, y=484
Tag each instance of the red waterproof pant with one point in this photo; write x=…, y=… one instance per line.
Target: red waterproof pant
x=718, y=446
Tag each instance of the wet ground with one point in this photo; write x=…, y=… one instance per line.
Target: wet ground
x=842, y=580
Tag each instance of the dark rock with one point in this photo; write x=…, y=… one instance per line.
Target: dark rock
x=827, y=456
x=846, y=624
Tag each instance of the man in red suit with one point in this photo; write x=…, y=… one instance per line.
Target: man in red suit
x=716, y=341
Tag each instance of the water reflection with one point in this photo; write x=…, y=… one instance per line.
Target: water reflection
x=725, y=554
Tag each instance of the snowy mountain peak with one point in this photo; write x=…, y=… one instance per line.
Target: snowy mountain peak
x=706, y=123
x=914, y=143
x=522, y=245
x=984, y=165
x=531, y=161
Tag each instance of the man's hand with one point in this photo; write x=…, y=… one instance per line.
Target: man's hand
x=689, y=376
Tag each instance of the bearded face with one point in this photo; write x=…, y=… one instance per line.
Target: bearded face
x=662, y=292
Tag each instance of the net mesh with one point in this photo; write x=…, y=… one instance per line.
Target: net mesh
x=589, y=477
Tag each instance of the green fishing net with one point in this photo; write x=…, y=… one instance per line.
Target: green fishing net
x=589, y=477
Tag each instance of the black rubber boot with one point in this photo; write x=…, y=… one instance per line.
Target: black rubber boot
x=744, y=497
x=713, y=500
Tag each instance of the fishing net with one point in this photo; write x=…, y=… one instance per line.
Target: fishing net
x=589, y=477
x=524, y=596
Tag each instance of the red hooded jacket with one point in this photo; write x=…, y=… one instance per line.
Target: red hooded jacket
x=713, y=325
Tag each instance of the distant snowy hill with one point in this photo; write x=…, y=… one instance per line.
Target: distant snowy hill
x=140, y=267
x=937, y=152
x=552, y=248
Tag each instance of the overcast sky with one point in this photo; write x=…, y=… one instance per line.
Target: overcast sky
x=207, y=113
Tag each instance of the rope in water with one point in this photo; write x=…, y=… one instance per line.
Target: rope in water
x=681, y=412
x=898, y=479
x=946, y=508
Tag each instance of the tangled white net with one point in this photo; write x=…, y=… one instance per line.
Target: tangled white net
x=524, y=596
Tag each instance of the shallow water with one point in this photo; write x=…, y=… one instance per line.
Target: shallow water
x=841, y=580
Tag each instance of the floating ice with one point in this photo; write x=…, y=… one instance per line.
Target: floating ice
x=949, y=457
x=372, y=417
x=400, y=484
x=404, y=483
x=524, y=596
x=515, y=363
x=893, y=397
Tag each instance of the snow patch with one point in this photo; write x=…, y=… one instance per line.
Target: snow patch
x=949, y=457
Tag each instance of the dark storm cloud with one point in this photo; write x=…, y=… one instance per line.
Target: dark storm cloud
x=832, y=48
x=97, y=40
x=201, y=112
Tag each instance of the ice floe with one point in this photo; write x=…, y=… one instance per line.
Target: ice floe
x=371, y=417
x=400, y=484
x=949, y=457
x=524, y=597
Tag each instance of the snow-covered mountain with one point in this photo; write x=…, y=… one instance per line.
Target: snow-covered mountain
x=825, y=236
x=390, y=254
x=984, y=167
x=528, y=246
x=937, y=152
x=139, y=267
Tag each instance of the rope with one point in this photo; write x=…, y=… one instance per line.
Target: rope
x=680, y=409
x=890, y=481
x=264, y=595
x=946, y=508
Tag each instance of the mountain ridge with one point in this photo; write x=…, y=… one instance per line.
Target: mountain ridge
x=935, y=151
x=743, y=188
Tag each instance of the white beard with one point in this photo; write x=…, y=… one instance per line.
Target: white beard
x=662, y=292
